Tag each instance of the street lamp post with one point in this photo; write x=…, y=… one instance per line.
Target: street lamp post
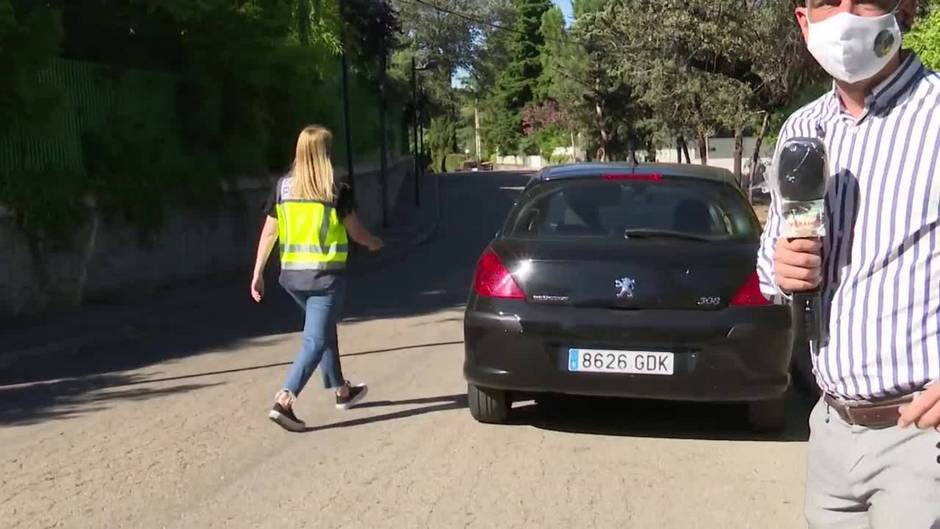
x=350, y=171
x=383, y=125
x=419, y=128
x=417, y=148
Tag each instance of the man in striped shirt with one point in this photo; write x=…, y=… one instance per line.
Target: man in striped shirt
x=873, y=452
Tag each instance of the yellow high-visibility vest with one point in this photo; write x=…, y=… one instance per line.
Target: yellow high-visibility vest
x=311, y=235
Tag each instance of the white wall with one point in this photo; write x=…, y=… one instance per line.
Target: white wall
x=721, y=152
x=108, y=257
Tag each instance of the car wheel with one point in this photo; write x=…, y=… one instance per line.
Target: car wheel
x=767, y=415
x=488, y=405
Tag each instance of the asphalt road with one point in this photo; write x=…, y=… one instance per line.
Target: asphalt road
x=167, y=427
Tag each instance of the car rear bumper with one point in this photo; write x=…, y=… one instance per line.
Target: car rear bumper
x=736, y=354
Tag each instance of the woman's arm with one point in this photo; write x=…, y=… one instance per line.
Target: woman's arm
x=265, y=246
x=360, y=234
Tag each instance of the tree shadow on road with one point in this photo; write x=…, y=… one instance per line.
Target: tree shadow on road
x=445, y=403
x=661, y=419
x=216, y=315
x=35, y=403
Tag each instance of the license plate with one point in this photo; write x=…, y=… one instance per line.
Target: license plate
x=626, y=362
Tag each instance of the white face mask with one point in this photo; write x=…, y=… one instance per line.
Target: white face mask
x=853, y=48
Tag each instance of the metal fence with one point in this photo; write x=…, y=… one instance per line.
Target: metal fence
x=81, y=97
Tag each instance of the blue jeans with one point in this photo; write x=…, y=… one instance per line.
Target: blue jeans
x=319, y=346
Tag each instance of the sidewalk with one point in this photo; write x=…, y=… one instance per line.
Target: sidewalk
x=408, y=225
x=166, y=309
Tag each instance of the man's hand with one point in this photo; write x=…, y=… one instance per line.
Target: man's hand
x=798, y=264
x=924, y=411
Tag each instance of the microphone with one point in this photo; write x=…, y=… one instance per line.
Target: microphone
x=801, y=179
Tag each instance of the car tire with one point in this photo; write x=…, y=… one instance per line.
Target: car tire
x=767, y=416
x=487, y=405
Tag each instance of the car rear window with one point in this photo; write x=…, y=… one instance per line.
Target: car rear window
x=604, y=208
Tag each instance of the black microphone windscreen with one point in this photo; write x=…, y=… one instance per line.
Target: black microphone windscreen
x=801, y=170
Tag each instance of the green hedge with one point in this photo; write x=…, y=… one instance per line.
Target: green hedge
x=162, y=117
x=120, y=136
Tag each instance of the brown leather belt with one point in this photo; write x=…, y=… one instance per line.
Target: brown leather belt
x=875, y=415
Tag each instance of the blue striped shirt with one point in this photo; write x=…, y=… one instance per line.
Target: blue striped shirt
x=881, y=258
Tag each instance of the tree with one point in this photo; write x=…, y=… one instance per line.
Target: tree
x=193, y=90
x=445, y=38
x=442, y=138
x=925, y=38
x=559, y=87
x=622, y=122
x=709, y=67
x=545, y=126
x=517, y=83
x=29, y=39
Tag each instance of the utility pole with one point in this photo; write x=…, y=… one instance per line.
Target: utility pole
x=421, y=135
x=476, y=126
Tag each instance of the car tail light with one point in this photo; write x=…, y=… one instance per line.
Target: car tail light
x=493, y=280
x=644, y=177
x=750, y=293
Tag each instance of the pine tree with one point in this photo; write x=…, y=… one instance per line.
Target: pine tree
x=517, y=83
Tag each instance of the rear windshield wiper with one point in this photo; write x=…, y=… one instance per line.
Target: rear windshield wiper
x=639, y=233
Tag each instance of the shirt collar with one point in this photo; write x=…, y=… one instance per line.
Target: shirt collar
x=887, y=93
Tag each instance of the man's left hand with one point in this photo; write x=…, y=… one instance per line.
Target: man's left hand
x=924, y=411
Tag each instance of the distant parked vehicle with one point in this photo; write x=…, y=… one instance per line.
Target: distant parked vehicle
x=473, y=165
x=760, y=190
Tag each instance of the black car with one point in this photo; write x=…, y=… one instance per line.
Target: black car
x=626, y=281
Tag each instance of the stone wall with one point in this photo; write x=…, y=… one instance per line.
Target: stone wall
x=107, y=258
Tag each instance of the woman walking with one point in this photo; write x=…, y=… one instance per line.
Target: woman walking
x=313, y=214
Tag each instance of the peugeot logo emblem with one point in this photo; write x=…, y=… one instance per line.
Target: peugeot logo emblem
x=625, y=287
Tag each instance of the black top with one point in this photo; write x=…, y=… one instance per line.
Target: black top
x=345, y=202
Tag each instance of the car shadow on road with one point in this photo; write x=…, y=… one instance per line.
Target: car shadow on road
x=439, y=404
x=661, y=419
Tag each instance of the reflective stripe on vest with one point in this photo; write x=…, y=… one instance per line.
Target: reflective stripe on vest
x=311, y=236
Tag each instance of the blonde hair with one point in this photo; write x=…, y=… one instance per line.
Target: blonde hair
x=312, y=171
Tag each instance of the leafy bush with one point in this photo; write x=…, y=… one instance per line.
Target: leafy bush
x=925, y=39
x=454, y=162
